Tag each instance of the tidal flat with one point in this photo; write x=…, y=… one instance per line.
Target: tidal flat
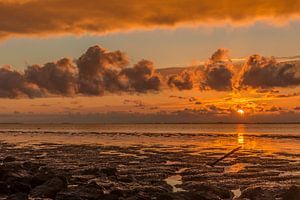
x=67, y=165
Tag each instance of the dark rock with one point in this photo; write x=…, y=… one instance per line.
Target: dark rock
x=293, y=193
x=91, y=171
x=109, y=171
x=31, y=166
x=17, y=196
x=257, y=193
x=110, y=197
x=50, y=188
x=206, y=189
x=9, y=159
x=40, y=178
x=90, y=191
x=3, y=188
x=126, y=179
x=19, y=187
x=201, y=195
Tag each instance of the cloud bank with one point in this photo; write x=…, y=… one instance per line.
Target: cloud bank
x=52, y=17
x=98, y=72
x=266, y=72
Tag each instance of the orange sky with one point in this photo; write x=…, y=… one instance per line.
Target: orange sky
x=107, y=82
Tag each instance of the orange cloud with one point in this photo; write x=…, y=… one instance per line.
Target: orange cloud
x=49, y=17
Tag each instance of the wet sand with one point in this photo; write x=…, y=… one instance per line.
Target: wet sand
x=158, y=166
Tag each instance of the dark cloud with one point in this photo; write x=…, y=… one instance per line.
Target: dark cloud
x=14, y=85
x=286, y=95
x=56, y=77
x=135, y=103
x=263, y=72
x=182, y=81
x=274, y=109
x=177, y=97
x=142, y=77
x=99, y=71
x=217, y=74
x=96, y=72
x=297, y=108
x=221, y=55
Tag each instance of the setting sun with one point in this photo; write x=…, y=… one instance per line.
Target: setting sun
x=241, y=112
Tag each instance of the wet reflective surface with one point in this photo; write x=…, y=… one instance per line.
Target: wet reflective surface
x=166, y=159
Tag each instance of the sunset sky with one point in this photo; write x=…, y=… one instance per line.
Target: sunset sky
x=149, y=61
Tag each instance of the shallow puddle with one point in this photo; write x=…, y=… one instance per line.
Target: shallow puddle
x=176, y=180
x=235, y=168
x=236, y=193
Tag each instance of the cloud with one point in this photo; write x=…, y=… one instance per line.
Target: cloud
x=135, y=103
x=217, y=74
x=263, y=72
x=14, y=85
x=96, y=72
x=274, y=109
x=286, y=95
x=221, y=55
x=56, y=77
x=99, y=69
x=297, y=108
x=182, y=81
x=142, y=77
x=33, y=17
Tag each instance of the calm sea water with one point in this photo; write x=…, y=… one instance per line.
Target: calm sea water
x=251, y=129
x=266, y=137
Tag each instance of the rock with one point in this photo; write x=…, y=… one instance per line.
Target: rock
x=31, y=166
x=201, y=195
x=293, y=193
x=22, y=187
x=109, y=171
x=40, y=178
x=90, y=191
x=126, y=179
x=3, y=188
x=209, y=190
x=17, y=196
x=257, y=193
x=91, y=171
x=50, y=188
x=9, y=159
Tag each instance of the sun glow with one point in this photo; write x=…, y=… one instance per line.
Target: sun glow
x=240, y=111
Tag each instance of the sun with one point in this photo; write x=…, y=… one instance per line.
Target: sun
x=240, y=111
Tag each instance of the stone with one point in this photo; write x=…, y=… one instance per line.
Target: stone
x=50, y=188
x=17, y=196
x=293, y=193
x=9, y=159
x=109, y=171
x=257, y=193
x=3, y=188
x=90, y=191
x=207, y=189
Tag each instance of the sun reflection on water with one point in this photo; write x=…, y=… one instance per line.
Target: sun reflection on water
x=240, y=134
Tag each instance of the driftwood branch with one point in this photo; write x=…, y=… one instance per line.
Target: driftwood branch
x=225, y=156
